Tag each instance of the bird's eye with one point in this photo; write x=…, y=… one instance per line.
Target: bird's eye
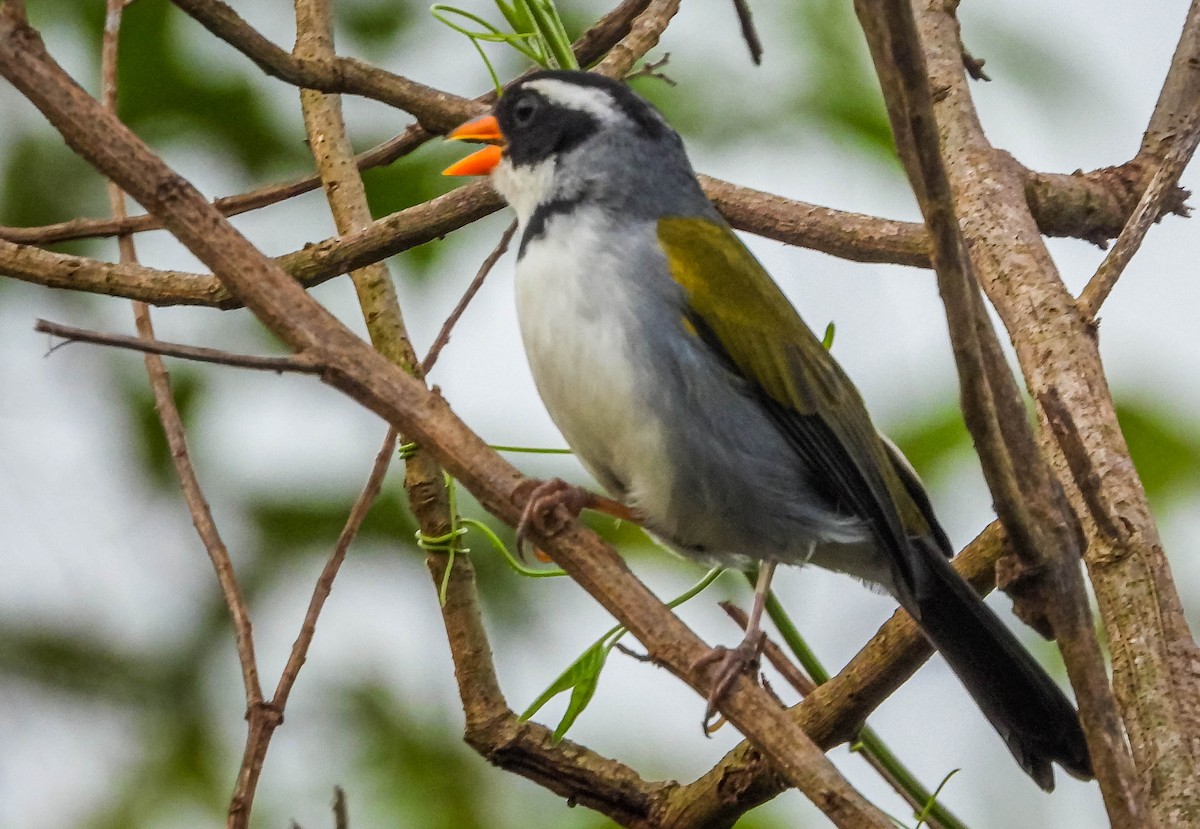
x=525, y=111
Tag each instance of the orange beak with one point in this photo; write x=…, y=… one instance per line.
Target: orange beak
x=485, y=128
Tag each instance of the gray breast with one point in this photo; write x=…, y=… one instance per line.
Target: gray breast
x=650, y=410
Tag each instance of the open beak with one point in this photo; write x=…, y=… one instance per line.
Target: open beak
x=485, y=128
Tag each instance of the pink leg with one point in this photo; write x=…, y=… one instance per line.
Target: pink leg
x=742, y=658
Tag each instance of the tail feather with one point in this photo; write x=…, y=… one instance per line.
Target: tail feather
x=1021, y=701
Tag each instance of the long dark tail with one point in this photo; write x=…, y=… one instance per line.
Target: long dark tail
x=1020, y=700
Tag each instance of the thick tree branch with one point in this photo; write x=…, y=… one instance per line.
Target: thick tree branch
x=1154, y=657
x=1028, y=499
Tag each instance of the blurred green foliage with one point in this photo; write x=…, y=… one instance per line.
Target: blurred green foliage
x=840, y=90
x=377, y=25
x=164, y=98
x=414, y=772
x=187, y=383
x=1165, y=449
x=36, y=164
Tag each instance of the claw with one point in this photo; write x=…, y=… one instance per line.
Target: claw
x=550, y=507
x=743, y=658
x=734, y=662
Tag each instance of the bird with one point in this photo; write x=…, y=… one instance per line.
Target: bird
x=692, y=391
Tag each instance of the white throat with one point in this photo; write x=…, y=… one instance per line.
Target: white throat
x=524, y=188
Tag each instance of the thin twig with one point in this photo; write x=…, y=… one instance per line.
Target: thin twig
x=749, y=32
x=261, y=718
x=443, y=336
x=341, y=809
x=1149, y=209
x=637, y=656
x=358, y=513
x=300, y=363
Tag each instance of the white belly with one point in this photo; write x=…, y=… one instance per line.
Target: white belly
x=575, y=325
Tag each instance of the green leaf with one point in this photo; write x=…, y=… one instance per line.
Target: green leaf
x=516, y=15
x=830, y=332
x=580, y=678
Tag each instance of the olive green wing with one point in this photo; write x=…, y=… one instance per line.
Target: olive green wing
x=739, y=312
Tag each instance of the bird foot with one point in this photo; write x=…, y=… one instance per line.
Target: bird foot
x=744, y=658
x=550, y=507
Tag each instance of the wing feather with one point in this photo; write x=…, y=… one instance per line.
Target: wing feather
x=741, y=314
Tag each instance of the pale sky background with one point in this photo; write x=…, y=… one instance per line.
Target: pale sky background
x=86, y=544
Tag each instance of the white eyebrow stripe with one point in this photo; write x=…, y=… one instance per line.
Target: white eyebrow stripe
x=590, y=99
